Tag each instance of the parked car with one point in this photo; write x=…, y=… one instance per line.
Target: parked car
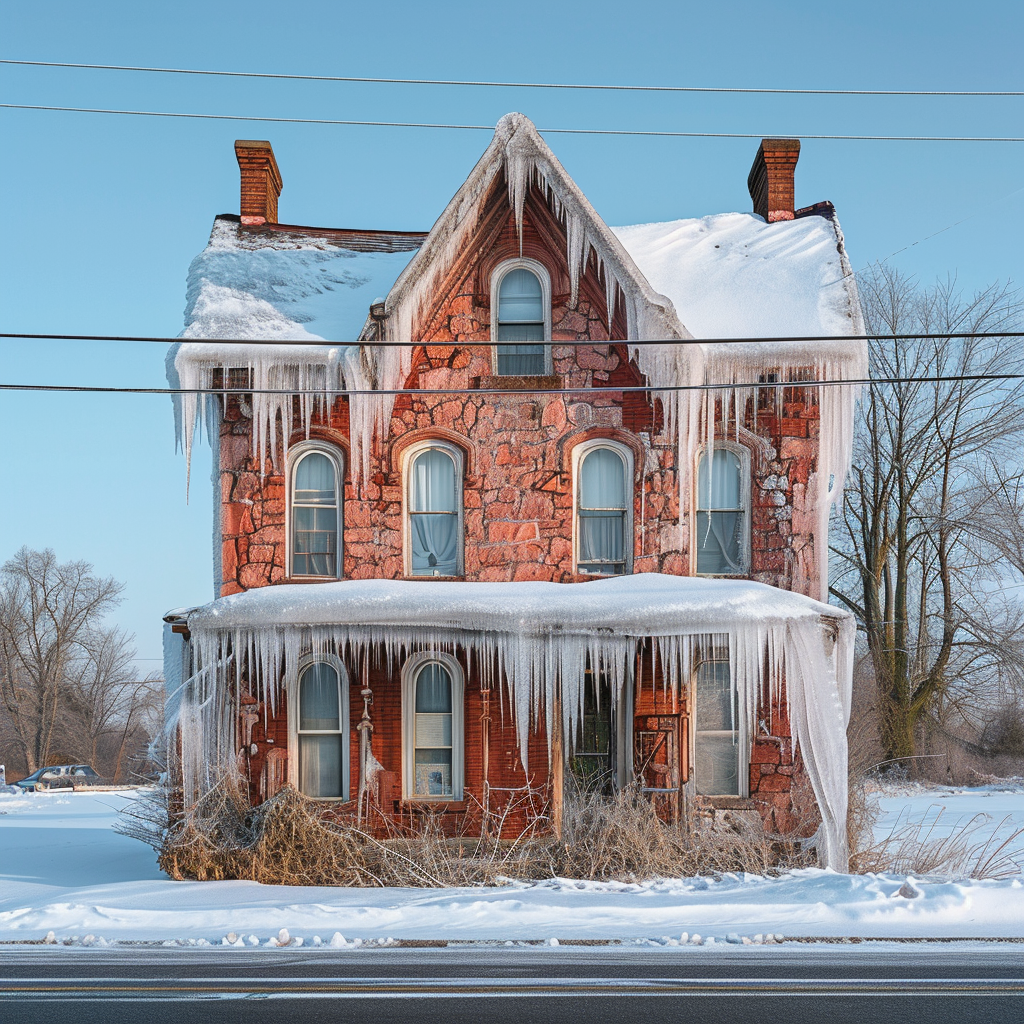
x=60, y=776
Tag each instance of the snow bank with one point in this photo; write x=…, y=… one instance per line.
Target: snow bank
x=536, y=639
x=62, y=868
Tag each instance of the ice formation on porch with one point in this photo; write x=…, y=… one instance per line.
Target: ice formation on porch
x=531, y=642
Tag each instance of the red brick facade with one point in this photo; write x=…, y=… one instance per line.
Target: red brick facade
x=518, y=500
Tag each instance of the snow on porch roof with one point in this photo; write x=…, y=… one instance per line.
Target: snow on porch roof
x=646, y=604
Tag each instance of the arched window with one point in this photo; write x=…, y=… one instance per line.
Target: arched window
x=604, y=501
x=432, y=721
x=321, y=728
x=721, y=523
x=434, y=510
x=315, y=512
x=719, y=767
x=522, y=318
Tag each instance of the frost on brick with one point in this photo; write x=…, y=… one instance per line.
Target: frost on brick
x=534, y=641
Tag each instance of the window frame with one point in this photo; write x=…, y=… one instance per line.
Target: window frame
x=497, y=276
x=295, y=455
x=306, y=662
x=743, y=454
x=625, y=453
x=718, y=653
x=410, y=674
x=409, y=456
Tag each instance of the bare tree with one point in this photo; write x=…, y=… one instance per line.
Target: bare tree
x=911, y=556
x=50, y=616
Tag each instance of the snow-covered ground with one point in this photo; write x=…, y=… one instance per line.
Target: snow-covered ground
x=63, y=869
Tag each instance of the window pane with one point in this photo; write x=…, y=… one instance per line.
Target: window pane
x=520, y=298
x=718, y=484
x=433, y=731
x=318, y=698
x=314, y=480
x=433, y=770
x=320, y=765
x=717, y=767
x=315, y=541
x=720, y=542
x=433, y=690
x=715, y=697
x=602, y=480
x=433, y=482
x=521, y=360
x=602, y=542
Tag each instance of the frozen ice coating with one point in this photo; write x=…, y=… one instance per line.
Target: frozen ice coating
x=534, y=640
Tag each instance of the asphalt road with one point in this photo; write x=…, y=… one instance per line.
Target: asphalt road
x=822, y=983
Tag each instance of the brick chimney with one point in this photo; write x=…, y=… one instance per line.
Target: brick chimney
x=770, y=181
x=261, y=181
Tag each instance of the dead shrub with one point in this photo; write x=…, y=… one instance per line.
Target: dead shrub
x=290, y=840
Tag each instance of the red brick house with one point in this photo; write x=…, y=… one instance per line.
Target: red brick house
x=520, y=499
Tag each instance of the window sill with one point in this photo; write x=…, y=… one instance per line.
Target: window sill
x=434, y=579
x=510, y=382
x=306, y=579
x=426, y=803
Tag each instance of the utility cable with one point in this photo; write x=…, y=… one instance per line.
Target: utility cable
x=518, y=85
x=795, y=339
x=413, y=392
x=490, y=128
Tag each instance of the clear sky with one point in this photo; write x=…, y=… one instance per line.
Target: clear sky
x=101, y=215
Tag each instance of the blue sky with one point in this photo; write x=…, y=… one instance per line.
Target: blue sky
x=101, y=215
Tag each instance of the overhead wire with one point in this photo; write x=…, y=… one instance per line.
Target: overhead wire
x=755, y=90
x=589, y=389
x=490, y=128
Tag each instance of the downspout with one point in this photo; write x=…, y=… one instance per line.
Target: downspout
x=485, y=755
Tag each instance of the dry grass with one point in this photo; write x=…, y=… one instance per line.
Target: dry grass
x=289, y=841
x=970, y=850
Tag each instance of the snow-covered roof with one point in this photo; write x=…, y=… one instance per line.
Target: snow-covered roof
x=644, y=604
x=733, y=275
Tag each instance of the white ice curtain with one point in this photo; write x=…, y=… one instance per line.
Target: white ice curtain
x=432, y=761
x=315, y=517
x=520, y=318
x=320, y=733
x=434, y=514
x=602, y=513
x=720, y=514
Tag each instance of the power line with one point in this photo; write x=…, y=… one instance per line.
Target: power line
x=323, y=343
x=519, y=85
x=422, y=392
x=490, y=128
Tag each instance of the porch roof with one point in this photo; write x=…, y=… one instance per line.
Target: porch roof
x=645, y=604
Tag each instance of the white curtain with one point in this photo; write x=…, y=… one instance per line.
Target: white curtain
x=434, y=518
x=520, y=318
x=602, y=512
x=320, y=753
x=720, y=516
x=314, y=480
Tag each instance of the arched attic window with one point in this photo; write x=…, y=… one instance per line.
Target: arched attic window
x=722, y=517
x=315, y=511
x=434, y=510
x=321, y=730
x=604, y=504
x=521, y=327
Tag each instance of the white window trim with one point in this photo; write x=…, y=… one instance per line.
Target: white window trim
x=579, y=453
x=743, y=453
x=408, y=457
x=743, y=742
x=337, y=457
x=410, y=670
x=497, y=276
x=293, y=723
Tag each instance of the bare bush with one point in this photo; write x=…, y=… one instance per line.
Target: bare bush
x=291, y=840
